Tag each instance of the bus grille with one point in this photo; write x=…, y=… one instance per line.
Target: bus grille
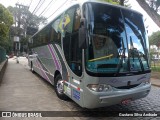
x=128, y=87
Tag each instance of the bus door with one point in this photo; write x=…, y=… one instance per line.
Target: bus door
x=73, y=54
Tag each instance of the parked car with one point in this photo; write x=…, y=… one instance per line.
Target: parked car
x=7, y=56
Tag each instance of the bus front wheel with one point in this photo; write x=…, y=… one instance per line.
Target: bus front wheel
x=59, y=89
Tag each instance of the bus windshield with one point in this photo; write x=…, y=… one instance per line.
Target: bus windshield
x=117, y=40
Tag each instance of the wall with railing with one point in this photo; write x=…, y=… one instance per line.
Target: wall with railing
x=2, y=54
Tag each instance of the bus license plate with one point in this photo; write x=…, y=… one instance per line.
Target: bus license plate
x=126, y=101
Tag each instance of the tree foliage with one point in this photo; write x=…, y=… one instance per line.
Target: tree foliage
x=6, y=20
x=154, y=4
x=152, y=9
x=154, y=39
x=117, y=2
x=111, y=1
x=23, y=18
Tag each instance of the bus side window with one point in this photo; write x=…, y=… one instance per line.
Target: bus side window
x=76, y=57
x=55, y=34
x=77, y=19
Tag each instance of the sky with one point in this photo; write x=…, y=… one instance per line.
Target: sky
x=57, y=4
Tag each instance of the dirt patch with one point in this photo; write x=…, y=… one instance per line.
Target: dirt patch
x=155, y=75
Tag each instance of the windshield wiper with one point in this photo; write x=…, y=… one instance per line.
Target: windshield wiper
x=100, y=58
x=132, y=53
x=139, y=36
x=122, y=55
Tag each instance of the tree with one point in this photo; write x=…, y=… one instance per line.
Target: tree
x=24, y=18
x=154, y=4
x=120, y=2
x=6, y=20
x=154, y=39
x=111, y=1
x=151, y=7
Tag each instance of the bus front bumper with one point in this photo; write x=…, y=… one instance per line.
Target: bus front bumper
x=116, y=96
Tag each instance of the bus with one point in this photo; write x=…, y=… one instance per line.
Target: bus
x=95, y=53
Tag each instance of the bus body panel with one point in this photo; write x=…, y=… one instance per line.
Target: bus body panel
x=114, y=95
x=44, y=64
x=121, y=82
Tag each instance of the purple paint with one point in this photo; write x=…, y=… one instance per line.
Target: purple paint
x=143, y=77
x=54, y=58
x=42, y=72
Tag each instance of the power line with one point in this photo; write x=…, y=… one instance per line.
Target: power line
x=57, y=9
x=39, y=6
x=36, y=6
x=45, y=8
x=30, y=4
x=49, y=8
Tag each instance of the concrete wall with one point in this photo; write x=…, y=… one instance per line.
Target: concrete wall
x=3, y=66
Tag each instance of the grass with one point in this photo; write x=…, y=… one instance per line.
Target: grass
x=155, y=72
x=155, y=66
x=155, y=69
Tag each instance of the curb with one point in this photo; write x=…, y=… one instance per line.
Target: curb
x=155, y=85
x=3, y=66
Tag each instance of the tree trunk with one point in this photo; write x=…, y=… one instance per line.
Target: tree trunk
x=154, y=16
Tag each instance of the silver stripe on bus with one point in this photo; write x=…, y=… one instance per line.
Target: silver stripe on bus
x=76, y=81
x=43, y=64
x=73, y=86
x=44, y=70
x=59, y=63
x=62, y=57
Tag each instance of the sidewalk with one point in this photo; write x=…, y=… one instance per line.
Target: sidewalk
x=20, y=90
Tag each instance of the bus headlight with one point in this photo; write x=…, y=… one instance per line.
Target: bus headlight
x=146, y=82
x=98, y=87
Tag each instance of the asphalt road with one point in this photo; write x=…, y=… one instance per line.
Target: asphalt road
x=23, y=91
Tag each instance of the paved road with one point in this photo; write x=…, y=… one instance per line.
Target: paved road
x=23, y=91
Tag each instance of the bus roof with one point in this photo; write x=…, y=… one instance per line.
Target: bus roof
x=81, y=2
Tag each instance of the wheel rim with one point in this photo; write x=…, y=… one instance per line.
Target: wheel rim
x=60, y=86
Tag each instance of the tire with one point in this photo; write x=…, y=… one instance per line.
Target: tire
x=32, y=70
x=59, y=88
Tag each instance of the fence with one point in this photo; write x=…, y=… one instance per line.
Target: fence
x=2, y=54
x=155, y=64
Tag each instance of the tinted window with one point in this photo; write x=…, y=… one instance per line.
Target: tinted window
x=72, y=52
x=56, y=30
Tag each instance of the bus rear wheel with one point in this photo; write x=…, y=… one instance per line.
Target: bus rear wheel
x=59, y=89
x=32, y=67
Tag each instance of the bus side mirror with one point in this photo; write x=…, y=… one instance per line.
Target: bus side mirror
x=82, y=35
